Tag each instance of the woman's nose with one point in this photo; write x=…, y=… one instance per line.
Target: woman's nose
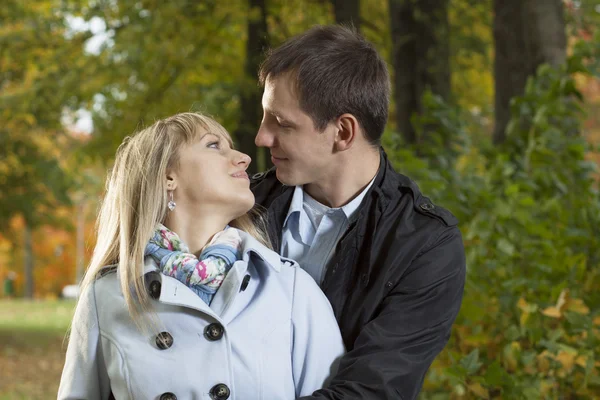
x=243, y=159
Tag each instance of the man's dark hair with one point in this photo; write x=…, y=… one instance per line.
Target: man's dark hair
x=336, y=71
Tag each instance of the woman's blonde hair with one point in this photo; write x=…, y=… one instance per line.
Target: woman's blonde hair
x=136, y=201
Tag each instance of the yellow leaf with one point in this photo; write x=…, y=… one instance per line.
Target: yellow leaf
x=510, y=355
x=479, y=390
x=522, y=304
x=597, y=320
x=523, y=319
x=578, y=306
x=543, y=361
x=552, y=312
x=566, y=359
x=581, y=361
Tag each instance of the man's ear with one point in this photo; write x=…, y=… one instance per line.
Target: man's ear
x=348, y=130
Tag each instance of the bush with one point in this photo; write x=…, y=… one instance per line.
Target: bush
x=529, y=326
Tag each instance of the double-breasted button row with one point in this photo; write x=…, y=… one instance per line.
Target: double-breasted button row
x=214, y=331
x=220, y=392
x=217, y=392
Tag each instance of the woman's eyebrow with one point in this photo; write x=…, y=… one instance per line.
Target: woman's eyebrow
x=210, y=133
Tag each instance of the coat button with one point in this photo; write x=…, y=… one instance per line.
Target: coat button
x=168, y=396
x=220, y=392
x=155, y=289
x=427, y=206
x=213, y=331
x=153, y=284
x=164, y=340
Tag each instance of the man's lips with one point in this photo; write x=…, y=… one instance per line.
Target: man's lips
x=276, y=160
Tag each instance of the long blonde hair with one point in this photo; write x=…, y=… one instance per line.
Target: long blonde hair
x=136, y=201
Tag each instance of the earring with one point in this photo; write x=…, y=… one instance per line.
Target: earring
x=171, y=204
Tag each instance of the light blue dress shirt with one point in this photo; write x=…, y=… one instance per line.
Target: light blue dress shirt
x=311, y=230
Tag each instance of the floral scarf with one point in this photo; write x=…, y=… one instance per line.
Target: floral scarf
x=204, y=274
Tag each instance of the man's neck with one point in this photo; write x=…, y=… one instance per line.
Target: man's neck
x=350, y=176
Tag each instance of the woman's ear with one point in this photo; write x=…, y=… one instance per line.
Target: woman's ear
x=171, y=182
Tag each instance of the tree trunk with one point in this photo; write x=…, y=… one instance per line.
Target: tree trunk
x=527, y=33
x=28, y=249
x=251, y=95
x=347, y=12
x=421, y=58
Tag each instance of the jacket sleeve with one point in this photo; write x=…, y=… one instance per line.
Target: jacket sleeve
x=393, y=352
x=316, y=338
x=84, y=374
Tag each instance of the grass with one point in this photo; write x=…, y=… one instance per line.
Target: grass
x=32, y=347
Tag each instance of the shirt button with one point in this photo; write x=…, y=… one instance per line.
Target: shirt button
x=214, y=331
x=168, y=396
x=220, y=392
x=164, y=340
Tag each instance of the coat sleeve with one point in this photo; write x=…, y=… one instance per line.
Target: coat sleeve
x=393, y=352
x=317, y=341
x=84, y=374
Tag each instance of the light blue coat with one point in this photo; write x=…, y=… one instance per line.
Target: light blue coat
x=280, y=338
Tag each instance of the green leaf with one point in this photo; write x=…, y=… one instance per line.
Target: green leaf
x=471, y=362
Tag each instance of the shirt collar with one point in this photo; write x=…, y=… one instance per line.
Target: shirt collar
x=296, y=204
x=297, y=215
x=349, y=209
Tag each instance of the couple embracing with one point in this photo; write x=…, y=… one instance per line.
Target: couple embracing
x=329, y=276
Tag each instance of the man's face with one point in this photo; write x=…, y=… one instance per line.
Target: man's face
x=300, y=152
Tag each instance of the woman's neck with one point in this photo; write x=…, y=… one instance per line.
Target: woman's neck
x=195, y=232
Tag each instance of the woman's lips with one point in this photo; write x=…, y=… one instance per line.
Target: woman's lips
x=241, y=174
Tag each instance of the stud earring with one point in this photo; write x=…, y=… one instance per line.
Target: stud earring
x=171, y=204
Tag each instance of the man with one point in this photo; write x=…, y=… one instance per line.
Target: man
x=390, y=261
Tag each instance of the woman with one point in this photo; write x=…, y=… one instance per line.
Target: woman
x=183, y=298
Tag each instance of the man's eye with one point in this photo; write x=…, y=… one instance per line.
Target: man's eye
x=213, y=145
x=282, y=124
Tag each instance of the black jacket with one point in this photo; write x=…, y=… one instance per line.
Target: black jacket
x=395, y=282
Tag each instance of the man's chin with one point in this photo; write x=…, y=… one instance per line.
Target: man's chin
x=285, y=177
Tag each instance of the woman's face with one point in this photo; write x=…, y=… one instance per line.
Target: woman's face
x=211, y=178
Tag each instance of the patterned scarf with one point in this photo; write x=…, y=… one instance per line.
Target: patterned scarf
x=204, y=274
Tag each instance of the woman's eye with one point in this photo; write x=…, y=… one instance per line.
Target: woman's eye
x=213, y=145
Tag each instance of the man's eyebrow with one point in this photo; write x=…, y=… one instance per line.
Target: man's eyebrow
x=280, y=116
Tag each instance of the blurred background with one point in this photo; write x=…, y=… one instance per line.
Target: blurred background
x=495, y=113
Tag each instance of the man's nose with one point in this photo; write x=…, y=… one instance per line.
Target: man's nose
x=264, y=138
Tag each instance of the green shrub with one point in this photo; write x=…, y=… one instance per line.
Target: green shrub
x=530, y=218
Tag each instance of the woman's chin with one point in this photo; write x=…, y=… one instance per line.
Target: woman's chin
x=243, y=206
